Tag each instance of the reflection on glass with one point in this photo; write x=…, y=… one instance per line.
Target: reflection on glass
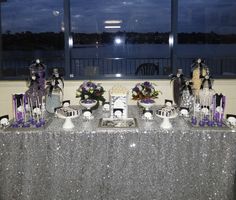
x=136, y=32
x=207, y=30
x=31, y=30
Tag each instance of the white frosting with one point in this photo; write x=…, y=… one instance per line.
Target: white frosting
x=148, y=115
x=205, y=110
x=66, y=104
x=88, y=115
x=37, y=111
x=168, y=103
x=184, y=112
x=232, y=121
x=106, y=107
x=118, y=113
x=4, y=122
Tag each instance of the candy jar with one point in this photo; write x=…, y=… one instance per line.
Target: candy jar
x=198, y=70
x=178, y=82
x=54, y=91
x=37, y=68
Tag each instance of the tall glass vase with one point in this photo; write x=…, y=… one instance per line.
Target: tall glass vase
x=39, y=70
x=177, y=85
x=53, y=100
x=187, y=99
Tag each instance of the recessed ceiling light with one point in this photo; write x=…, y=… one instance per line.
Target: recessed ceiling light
x=113, y=22
x=112, y=27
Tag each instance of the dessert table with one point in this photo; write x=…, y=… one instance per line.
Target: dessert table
x=143, y=163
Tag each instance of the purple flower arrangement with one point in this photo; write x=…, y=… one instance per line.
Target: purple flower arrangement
x=145, y=91
x=90, y=90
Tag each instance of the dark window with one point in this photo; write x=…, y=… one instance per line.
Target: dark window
x=115, y=38
x=31, y=30
x=207, y=29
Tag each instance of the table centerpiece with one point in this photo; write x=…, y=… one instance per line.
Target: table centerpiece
x=145, y=93
x=145, y=90
x=89, y=91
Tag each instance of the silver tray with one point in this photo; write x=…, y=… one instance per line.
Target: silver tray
x=118, y=123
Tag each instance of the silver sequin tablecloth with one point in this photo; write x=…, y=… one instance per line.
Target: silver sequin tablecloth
x=89, y=163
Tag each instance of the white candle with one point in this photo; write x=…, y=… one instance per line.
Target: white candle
x=221, y=102
x=31, y=107
x=36, y=110
x=14, y=107
x=40, y=107
x=209, y=101
x=22, y=105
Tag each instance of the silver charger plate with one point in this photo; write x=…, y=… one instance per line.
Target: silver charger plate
x=118, y=123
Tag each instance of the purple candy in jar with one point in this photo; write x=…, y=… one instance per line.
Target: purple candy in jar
x=206, y=119
x=32, y=121
x=42, y=121
x=202, y=123
x=15, y=124
x=210, y=123
x=26, y=125
x=194, y=120
x=219, y=124
x=19, y=116
x=21, y=121
x=38, y=124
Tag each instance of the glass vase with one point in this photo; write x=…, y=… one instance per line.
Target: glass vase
x=53, y=100
x=177, y=85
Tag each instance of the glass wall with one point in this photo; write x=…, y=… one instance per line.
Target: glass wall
x=120, y=38
x=207, y=29
x=31, y=30
x=117, y=38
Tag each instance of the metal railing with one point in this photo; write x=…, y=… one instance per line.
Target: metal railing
x=110, y=66
x=84, y=67
x=98, y=68
x=18, y=68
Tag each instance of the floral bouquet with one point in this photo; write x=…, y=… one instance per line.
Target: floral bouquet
x=89, y=90
x=145, y=90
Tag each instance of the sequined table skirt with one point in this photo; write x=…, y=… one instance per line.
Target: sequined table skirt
x=146, y=163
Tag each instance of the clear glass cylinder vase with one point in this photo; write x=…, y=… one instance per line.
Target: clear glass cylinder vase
x=53, y=100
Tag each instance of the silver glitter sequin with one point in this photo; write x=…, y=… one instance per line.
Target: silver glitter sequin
x=124, y=164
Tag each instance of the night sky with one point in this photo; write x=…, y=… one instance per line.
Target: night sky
x=137, y=15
